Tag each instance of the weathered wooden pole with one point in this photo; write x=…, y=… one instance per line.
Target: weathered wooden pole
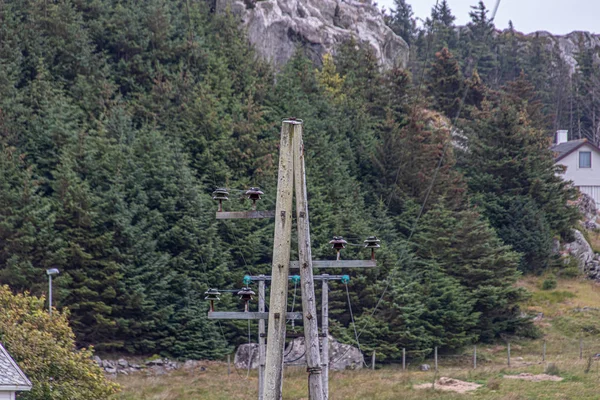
x=403, y=358
x=261, y=340
x=544, y=351
x=280, y=266
x=309, y=306
x=435, y=357
x=580, y=348
x=475, y=357
x=508, y=353
x=325, y=334
x=373, y=361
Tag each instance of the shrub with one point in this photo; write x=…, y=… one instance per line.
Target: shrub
x=549, y=283
x=552, y=369
x=44, y=347
x=493, y=384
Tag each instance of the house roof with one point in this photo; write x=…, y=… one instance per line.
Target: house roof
x=11, y=376
x=564, y=149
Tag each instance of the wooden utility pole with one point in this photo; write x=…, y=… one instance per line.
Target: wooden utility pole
x=325, y=334
x=281, y=263
x=261, y=340
x=309, y=306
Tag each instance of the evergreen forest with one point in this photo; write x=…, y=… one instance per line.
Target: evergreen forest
x=118, y=119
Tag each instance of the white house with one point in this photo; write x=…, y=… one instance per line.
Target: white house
x=582, y=160
x=12, y=379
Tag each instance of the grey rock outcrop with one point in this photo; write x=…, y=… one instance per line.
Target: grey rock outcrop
x=580, y=249
x=587, y=206
x=277, y=28
x=122, y=366
x=246, y=354
x=587, y=260
x=341, y=356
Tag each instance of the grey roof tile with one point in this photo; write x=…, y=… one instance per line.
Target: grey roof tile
x=567, y=147
x=10, y=373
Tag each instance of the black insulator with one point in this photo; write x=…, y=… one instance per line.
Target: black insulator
x=254, y=193
x=212, y=294
x=338, y=243
x=372, y=242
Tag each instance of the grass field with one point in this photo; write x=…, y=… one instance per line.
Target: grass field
x=565, y=320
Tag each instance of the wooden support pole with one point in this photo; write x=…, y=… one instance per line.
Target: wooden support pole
x=309, y=307
x=249, y=315
x=280, y=266
x=337, y=264
x=544, y=351
x=245, y=214
x=508, y=353
x=403, y=358
x=435, y=357
x=475, y=357
x=261, y=340
x=325, y=334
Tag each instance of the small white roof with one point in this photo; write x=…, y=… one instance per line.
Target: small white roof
x=11, y=376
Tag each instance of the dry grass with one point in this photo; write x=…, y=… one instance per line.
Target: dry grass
x=392, y=383
x=384, y=384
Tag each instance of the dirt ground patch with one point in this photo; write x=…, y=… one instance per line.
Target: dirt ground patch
x=450, y=384
x=534, y=378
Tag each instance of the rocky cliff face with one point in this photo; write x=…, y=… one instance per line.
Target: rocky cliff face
x=278, y=27
x=569, y=45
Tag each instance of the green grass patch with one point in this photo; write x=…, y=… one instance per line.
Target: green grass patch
x=551, y=297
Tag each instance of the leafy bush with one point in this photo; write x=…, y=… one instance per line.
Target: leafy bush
x=44, y=347
x=549, y=283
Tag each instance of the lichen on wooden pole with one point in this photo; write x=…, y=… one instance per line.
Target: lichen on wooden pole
x=280, y=266
x=309, y=307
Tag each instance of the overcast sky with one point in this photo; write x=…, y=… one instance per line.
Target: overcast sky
x=555, y=16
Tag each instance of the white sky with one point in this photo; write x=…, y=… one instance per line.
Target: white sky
x=554, y=16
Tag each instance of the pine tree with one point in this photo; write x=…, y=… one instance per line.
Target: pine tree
x=402, y=21
x=445, y=84
x=469, y=250
x=510, y=159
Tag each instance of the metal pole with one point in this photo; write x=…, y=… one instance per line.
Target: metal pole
x=508, y=352
x=475, y=357
x=280, y=267
x=435, y=356
x=403, y=358
x=309, y=306
x=261, y=340
x=325, y=334
x=50, y=294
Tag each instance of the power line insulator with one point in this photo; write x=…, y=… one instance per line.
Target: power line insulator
x=338, y=243
x=246, y=294
x=254, y=194
x=212, y=295
x=220, y=194
x=372, y=243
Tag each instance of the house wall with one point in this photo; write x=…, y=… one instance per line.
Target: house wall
x=582, y=176
x=7, y=395
x=587, y=179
